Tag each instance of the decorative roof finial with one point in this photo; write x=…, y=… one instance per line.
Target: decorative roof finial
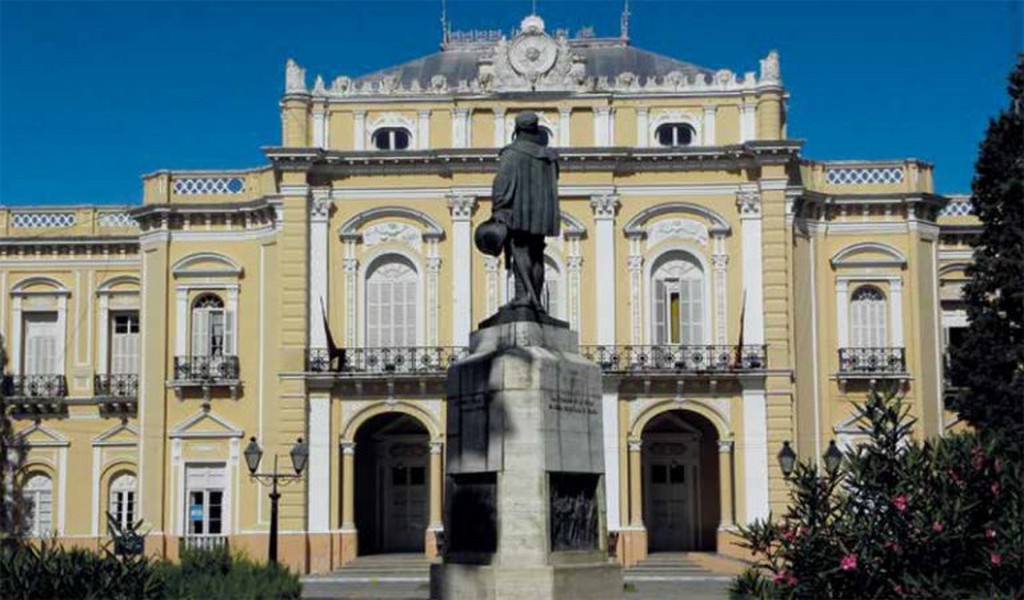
x=624, y=22
x=445, y=26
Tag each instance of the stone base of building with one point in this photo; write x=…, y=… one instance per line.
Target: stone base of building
x=594, y=581
x=729, y=544
x=632, y=546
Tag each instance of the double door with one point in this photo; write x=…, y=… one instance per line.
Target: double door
x=404, y=494
x=670, y=480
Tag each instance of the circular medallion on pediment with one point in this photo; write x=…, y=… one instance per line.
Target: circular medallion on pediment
x=533, y=54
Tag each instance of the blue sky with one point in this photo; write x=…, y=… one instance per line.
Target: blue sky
x=93, y=95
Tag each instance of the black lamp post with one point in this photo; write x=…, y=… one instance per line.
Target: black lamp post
x=832, y=457
x=253, y=454
x=787, y=459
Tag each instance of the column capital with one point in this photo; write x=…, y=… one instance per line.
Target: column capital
x=635, y=262
x=433, y=264
x=642, y=110
x=602, y=110
x=499, y=111
x=604, y=205
x=635, y=445
x=461, y=206
x=574, y=263
x=749, y=203
x=725, y=446
x=710, y=108
x=320, y=203
x=436, y=447
x=491, y=264
x=461, y=112
x=423, y=113
x=719, y=261
x=350, y=265
x=348, y=447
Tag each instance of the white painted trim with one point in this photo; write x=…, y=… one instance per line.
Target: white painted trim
x=894, y=296
x=393, y=120
x=565, y=127
x=181, y=430
x=748, y=122
x=318, y=126
x=364, y=267
x=319, y=492
x=842, y=313
x=177, y=488
x=97, y=457
x=358, y=130
x=896, y=312
x=181, y=322
x=62, y=474
x=755, y=450
x=816, y=379
x=318, y=265
x=182, y=267
x=753, y=272
x=665, y=117
x=461, y=208
x=604, y=208
x=602, y=126
x=423, y=130
x=710, y=111
x=610, y=411
x=650, y=261
x=642, y=124
x=500, y=137
x=847, y=256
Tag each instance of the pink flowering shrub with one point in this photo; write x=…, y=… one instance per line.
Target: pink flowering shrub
x=898, y=519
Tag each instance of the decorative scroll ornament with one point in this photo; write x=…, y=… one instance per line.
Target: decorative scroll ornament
x=684, y=229
x=534, y=60
x=392, y=231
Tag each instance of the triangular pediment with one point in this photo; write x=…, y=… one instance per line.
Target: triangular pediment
x=206, y=424
x=121, y=434
x=39, y=435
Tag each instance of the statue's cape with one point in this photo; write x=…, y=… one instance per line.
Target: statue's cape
x=525, y=191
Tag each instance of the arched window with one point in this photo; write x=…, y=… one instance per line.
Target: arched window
x=867, y=318
x=678, y=301
x=675, y=134
x=391, y=138
x=391, y=303
x=38, y=494
x=122, y=499
x=212, y=329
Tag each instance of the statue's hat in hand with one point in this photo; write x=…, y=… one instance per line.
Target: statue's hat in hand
x=490, y=237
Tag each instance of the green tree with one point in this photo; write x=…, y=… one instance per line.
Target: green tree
x=14, y=510
x=990, y=360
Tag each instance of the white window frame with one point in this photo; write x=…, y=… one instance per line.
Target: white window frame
x=111, y=366
x=845, y=284
x=670, y=117
x=183, y=338
x=391, y=120
x=675, y=135
x=57, y=358
x=123, y=491
x=120, y=301
x=367, y=266
x=226, y=498
x=868, y=319
x=650, y=268
x=35, y=495
x=391, y=131
x=42, y=301
x=382, y=262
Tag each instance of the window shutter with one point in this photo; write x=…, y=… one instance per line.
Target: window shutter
x=660, y=324
x=695, y=291
x=410, y=313
x=229, y=333
x=200, y=332
x=372, y=314
x=40, y=350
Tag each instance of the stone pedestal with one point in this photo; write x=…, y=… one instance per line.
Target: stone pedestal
x=525, y=486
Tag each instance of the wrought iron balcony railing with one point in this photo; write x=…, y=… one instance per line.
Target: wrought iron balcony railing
x=872, y=362
x=116, y=385
x=203, y=541
x=35, y=387
x=677, y=359
x=400, y=361
x=206, y=369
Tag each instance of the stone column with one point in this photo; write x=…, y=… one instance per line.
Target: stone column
x=642, y=124
x=636, y=498
x=749, y=205
x=748, y=121
x=461, y=207
x=755, y=448
x=610, y=422
x=348, y=485
x=709, y=124
x=719, y=266
x=602, y=126
x=436, y=485
x=565, y=127
x=359, y=130
x=725, y=483
x=500, y=135
x=604, y=207
x=318, y=495
x=319, y=210
x=460, y=128
x=319, y=118
x=423, y=130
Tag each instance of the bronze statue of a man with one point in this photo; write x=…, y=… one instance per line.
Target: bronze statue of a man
x=525, y=209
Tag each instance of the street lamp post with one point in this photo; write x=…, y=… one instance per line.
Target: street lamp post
x=787, y=458
x=253, y=454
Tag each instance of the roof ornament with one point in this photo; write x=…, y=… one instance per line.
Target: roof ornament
x=624, y=22
x=446, y=27
x=294, y=78
x=770, y=72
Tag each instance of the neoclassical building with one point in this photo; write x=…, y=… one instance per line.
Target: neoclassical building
x=735, y=293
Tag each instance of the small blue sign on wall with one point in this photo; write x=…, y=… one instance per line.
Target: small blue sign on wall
x=195, y=512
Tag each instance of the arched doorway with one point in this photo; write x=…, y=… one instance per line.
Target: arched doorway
x=392, y=487
x=680, y=482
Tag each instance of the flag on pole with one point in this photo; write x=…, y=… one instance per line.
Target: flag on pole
x=739, y=343
x=333, y=351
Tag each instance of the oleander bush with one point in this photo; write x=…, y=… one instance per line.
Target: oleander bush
x=897, y=519
x=46, y=570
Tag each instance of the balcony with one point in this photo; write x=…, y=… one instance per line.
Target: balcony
x=677, y=360
x=205, y=372
x=37, y=394
x=117, y=393
x=872, y=363
x=202, y=542
x=354, y=362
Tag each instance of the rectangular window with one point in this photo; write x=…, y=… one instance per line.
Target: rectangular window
x=205, y=495
x=124, y=343
x=41, y=352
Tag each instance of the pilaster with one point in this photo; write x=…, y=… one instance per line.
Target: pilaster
x=605, y=207
x=461, y=207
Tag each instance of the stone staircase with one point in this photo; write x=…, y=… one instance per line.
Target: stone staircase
x=378, y=577
x=676, y=575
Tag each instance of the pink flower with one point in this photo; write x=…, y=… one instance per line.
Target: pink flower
x=891, y=545
x=900, y=502
x=977, y=458
x=788, y=534
x=791, y=580
x=995, y=558
x=849, y=562
x=995, y=488
x=937, y=527
x=784, y=578
x=898, y=589
x=990, y=533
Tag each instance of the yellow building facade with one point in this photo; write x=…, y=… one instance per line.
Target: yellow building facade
x=736, y=295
